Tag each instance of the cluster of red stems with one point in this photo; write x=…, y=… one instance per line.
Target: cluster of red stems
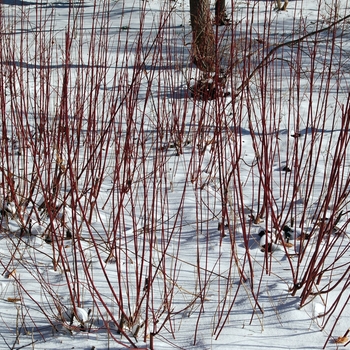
x=101, y=137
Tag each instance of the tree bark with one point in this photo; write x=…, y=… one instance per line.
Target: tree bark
x=203, y=39
x=220, y=13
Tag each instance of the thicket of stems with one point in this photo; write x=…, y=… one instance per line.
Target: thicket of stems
x=108, y=159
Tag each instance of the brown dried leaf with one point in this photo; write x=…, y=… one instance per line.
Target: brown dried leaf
x=341, y=340
x=11, y=274
x=13, y=300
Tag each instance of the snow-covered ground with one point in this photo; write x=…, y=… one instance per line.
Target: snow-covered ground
x=131, y=210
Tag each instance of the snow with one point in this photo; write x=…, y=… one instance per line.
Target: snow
x=114, y=180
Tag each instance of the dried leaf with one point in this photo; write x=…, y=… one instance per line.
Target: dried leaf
x=11, y=274
x=341, y=340
x=13, y=300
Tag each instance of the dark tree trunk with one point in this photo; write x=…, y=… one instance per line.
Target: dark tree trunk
x=203, y=40
x=220, y=13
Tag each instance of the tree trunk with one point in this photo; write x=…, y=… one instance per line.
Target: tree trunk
x=203, y=40
x=220, y=13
